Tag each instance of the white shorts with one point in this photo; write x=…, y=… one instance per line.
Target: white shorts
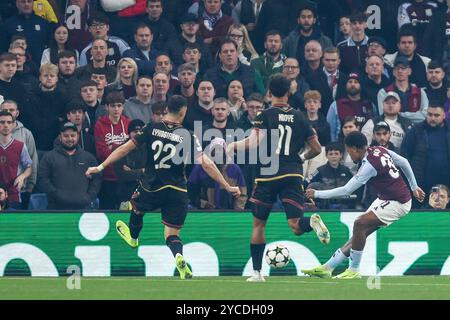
x=389, y=211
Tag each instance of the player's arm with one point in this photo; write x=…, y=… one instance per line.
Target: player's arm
x=404, y=165
x=366, y=172
x=314, y=148
x=117, y=154
x=251, y=142
x=211, y=169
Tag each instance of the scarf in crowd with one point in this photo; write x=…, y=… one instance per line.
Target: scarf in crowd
x=211, y=20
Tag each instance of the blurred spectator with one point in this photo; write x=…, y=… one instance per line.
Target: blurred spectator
x=76, y=114
x=201, y=111
x=230, y=68
x=236, y=99
x=164, y=65
x=159, y=110
x=142, y=52
x=89, y=94
x=11, y=89
x=48, y=108
x=332, y=175
x=111, y=131
x=163, y=31
x=61, y=173
x=329, y=80
x=44, y=9
x=99, y=52
x=313, y=58
x=407, y=44
x=15, y=166
x=58, y=44
x=187, y=78
x=126, y=78
x=376, y=46
x=99, y=28
x=353, y=105
x=398, y=125
x=214, y=24
x=24, y=74
x=131, y=168
x=192, y=54
x=139, y=107
x=20, y=133
x=4, y=205
x=427, y=147
x=354, y=50
x=160, y=87
x=189, y=28
x=373, y=79
x=414, y=100
x=348, y=125
x=439, y=197
x=291, y=69
x=223, y=124
x=345, y=29
x=247, y=13
x=436, y=89
x=239, y=34
x=272, y=60
x=417, y=15
x=307, y=30
x=76, y=16
x=205, y=193
x=437, y=36
x=382, y=136
x=36, y=29
x=99, y=76
x=67, y=63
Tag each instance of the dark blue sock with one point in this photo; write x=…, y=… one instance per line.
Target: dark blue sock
x=135, y=225
x=175, y=245
x=304, y=223
x=257, y=251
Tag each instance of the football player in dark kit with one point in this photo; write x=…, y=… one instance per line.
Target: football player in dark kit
x=164, y=184
x=379, y=168
x=287, y=131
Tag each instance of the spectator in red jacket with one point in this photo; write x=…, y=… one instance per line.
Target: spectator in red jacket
x=110, y=132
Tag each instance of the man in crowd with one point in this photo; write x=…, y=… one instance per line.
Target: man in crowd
x=76, y=114
x=201, y=111
x=163, y=31
x=187, y=78
x=139, y=107
x=99, y=52
x=437, y=87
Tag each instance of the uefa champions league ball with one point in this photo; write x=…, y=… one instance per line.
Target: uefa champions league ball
x=277, y=256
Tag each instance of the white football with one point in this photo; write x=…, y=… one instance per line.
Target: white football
x=277, y=256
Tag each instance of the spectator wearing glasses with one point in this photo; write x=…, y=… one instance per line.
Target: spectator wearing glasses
x=25, y=74
x=291, y=69
x=239, y=34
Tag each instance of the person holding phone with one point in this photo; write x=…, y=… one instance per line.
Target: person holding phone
x=439, y=197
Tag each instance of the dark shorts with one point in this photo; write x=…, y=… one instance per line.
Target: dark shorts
x=290, y=192
x=173, y=204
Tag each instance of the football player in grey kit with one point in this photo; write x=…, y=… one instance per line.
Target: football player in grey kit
x=379, y=168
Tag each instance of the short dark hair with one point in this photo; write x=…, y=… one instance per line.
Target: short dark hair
x=272, y=32
x=334, y=146
x=308, y=6
x=256, y=96
x=176, y=103
x=98, y=17
x=192, y=46
x=4, y=113
x=88, y=83
x=115, y=97
x=407, y=31
x=144, y=77
x=227, y=41
x=356, y=139
x=67, y=54
x=159, y=107
x=332, y=50
x=142, y=25
x=7, y=57
x=433, y=104
x=279, y=85
x=435, y=64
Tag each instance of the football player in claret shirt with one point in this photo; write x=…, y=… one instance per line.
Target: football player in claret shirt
x=379, y=168
x=164, y=183
x=285, y=181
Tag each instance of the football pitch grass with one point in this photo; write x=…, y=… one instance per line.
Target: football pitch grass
x=226, y=288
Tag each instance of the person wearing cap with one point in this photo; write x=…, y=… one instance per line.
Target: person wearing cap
x=99, y=29
x=306, y=30
x=189, y=35
x=142, y=52
x=407, y=45
x=21, y=133
x=374, y=79
x=398, y=125
x=376, y=46
x=382, y=136
x=61, y=173
x=354, y=49
x=414, y=100
x=15, y=164
x=353, y=105
x=131, y=168
x=163, y=31
x=427, y=147
x=437, y=86
x=76, y=114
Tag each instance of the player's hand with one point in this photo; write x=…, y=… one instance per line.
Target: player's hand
x=230, y=150
x=19, y=182
x=90, y=171
x=419, y=194
x=235, y=191
x=310, y=193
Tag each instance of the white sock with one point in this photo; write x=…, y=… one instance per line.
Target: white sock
x=355, y=259
x=336, y=259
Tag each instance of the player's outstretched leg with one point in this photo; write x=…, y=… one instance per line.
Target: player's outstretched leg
x=257, y=246
x=326, y=270
x=175, y=245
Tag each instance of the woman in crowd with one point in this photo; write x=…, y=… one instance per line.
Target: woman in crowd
x=239, y=34
x=236, y=98
x=126, y=78
x=58, y=43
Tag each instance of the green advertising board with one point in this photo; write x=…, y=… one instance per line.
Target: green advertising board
x=216, y=243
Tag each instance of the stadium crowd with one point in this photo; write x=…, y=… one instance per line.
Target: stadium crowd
x=78, y=78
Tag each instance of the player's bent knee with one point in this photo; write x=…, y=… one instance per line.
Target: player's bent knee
x=294, y=227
